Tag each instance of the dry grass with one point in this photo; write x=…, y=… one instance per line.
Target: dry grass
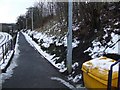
x=52, y=28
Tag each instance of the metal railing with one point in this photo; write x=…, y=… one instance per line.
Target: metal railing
x=6, y=48
x=109, y=87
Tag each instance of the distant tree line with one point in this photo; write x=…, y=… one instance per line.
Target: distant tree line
x=93, y=17
x=90, y=17
x=42, y=13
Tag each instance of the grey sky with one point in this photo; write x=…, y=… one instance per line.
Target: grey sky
x=11, y=9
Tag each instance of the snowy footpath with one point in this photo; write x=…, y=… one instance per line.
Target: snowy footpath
x=33, y=70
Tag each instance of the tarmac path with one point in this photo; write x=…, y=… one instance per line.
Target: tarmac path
x=33, y=70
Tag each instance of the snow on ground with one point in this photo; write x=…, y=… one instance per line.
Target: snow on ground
x=117, y=23
x=78, y=86
x=47, y=40
x=46, y=55
x=36, y=46
x=60, y=66
x=13, y=64
x=3, y=63
x=63, y=82
x=96, y=50
x=4, y=37
x=115, y=48
x=112, y=46
x=77, y=78
x=41, y=36
x=75, y=28
x=102, y=63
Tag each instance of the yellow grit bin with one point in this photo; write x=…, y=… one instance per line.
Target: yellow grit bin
x=95, y=73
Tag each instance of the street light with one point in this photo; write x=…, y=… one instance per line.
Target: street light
x=26, y=22
x=69, y=38
x=32, y=19
x=22, y=26
x=32, y=23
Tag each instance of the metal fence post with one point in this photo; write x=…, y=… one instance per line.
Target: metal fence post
x=110, y=76
x=119, y=77
x=109, y=79
x=11, y=44
x=6, y=49
x=3, y=52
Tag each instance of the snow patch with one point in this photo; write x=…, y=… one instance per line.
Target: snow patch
x=4, y=37
x=98, y=49
x=114, y=44
x=50, y=58
x=116, y=23
x=46, y=55
x=77, y=78
x=102, y=64
x=75, y=28
x=4, y=62
x=75, y=65
x=63, y=82
x=47, y=40
x=75, y=43
x=13, y=64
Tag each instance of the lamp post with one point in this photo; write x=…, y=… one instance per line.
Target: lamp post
x=22, y=24
x=32, y=23
x=69, y=38
x=32, y=19
x=26, y=22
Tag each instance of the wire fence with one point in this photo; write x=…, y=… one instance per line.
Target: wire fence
x=6, y=48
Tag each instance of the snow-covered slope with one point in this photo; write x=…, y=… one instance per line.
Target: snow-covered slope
x=47, y=40
x=98, y=48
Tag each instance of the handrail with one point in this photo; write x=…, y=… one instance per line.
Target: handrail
x=3, y=39
x=5, y=42
x=5, y=48
x=110, y=76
